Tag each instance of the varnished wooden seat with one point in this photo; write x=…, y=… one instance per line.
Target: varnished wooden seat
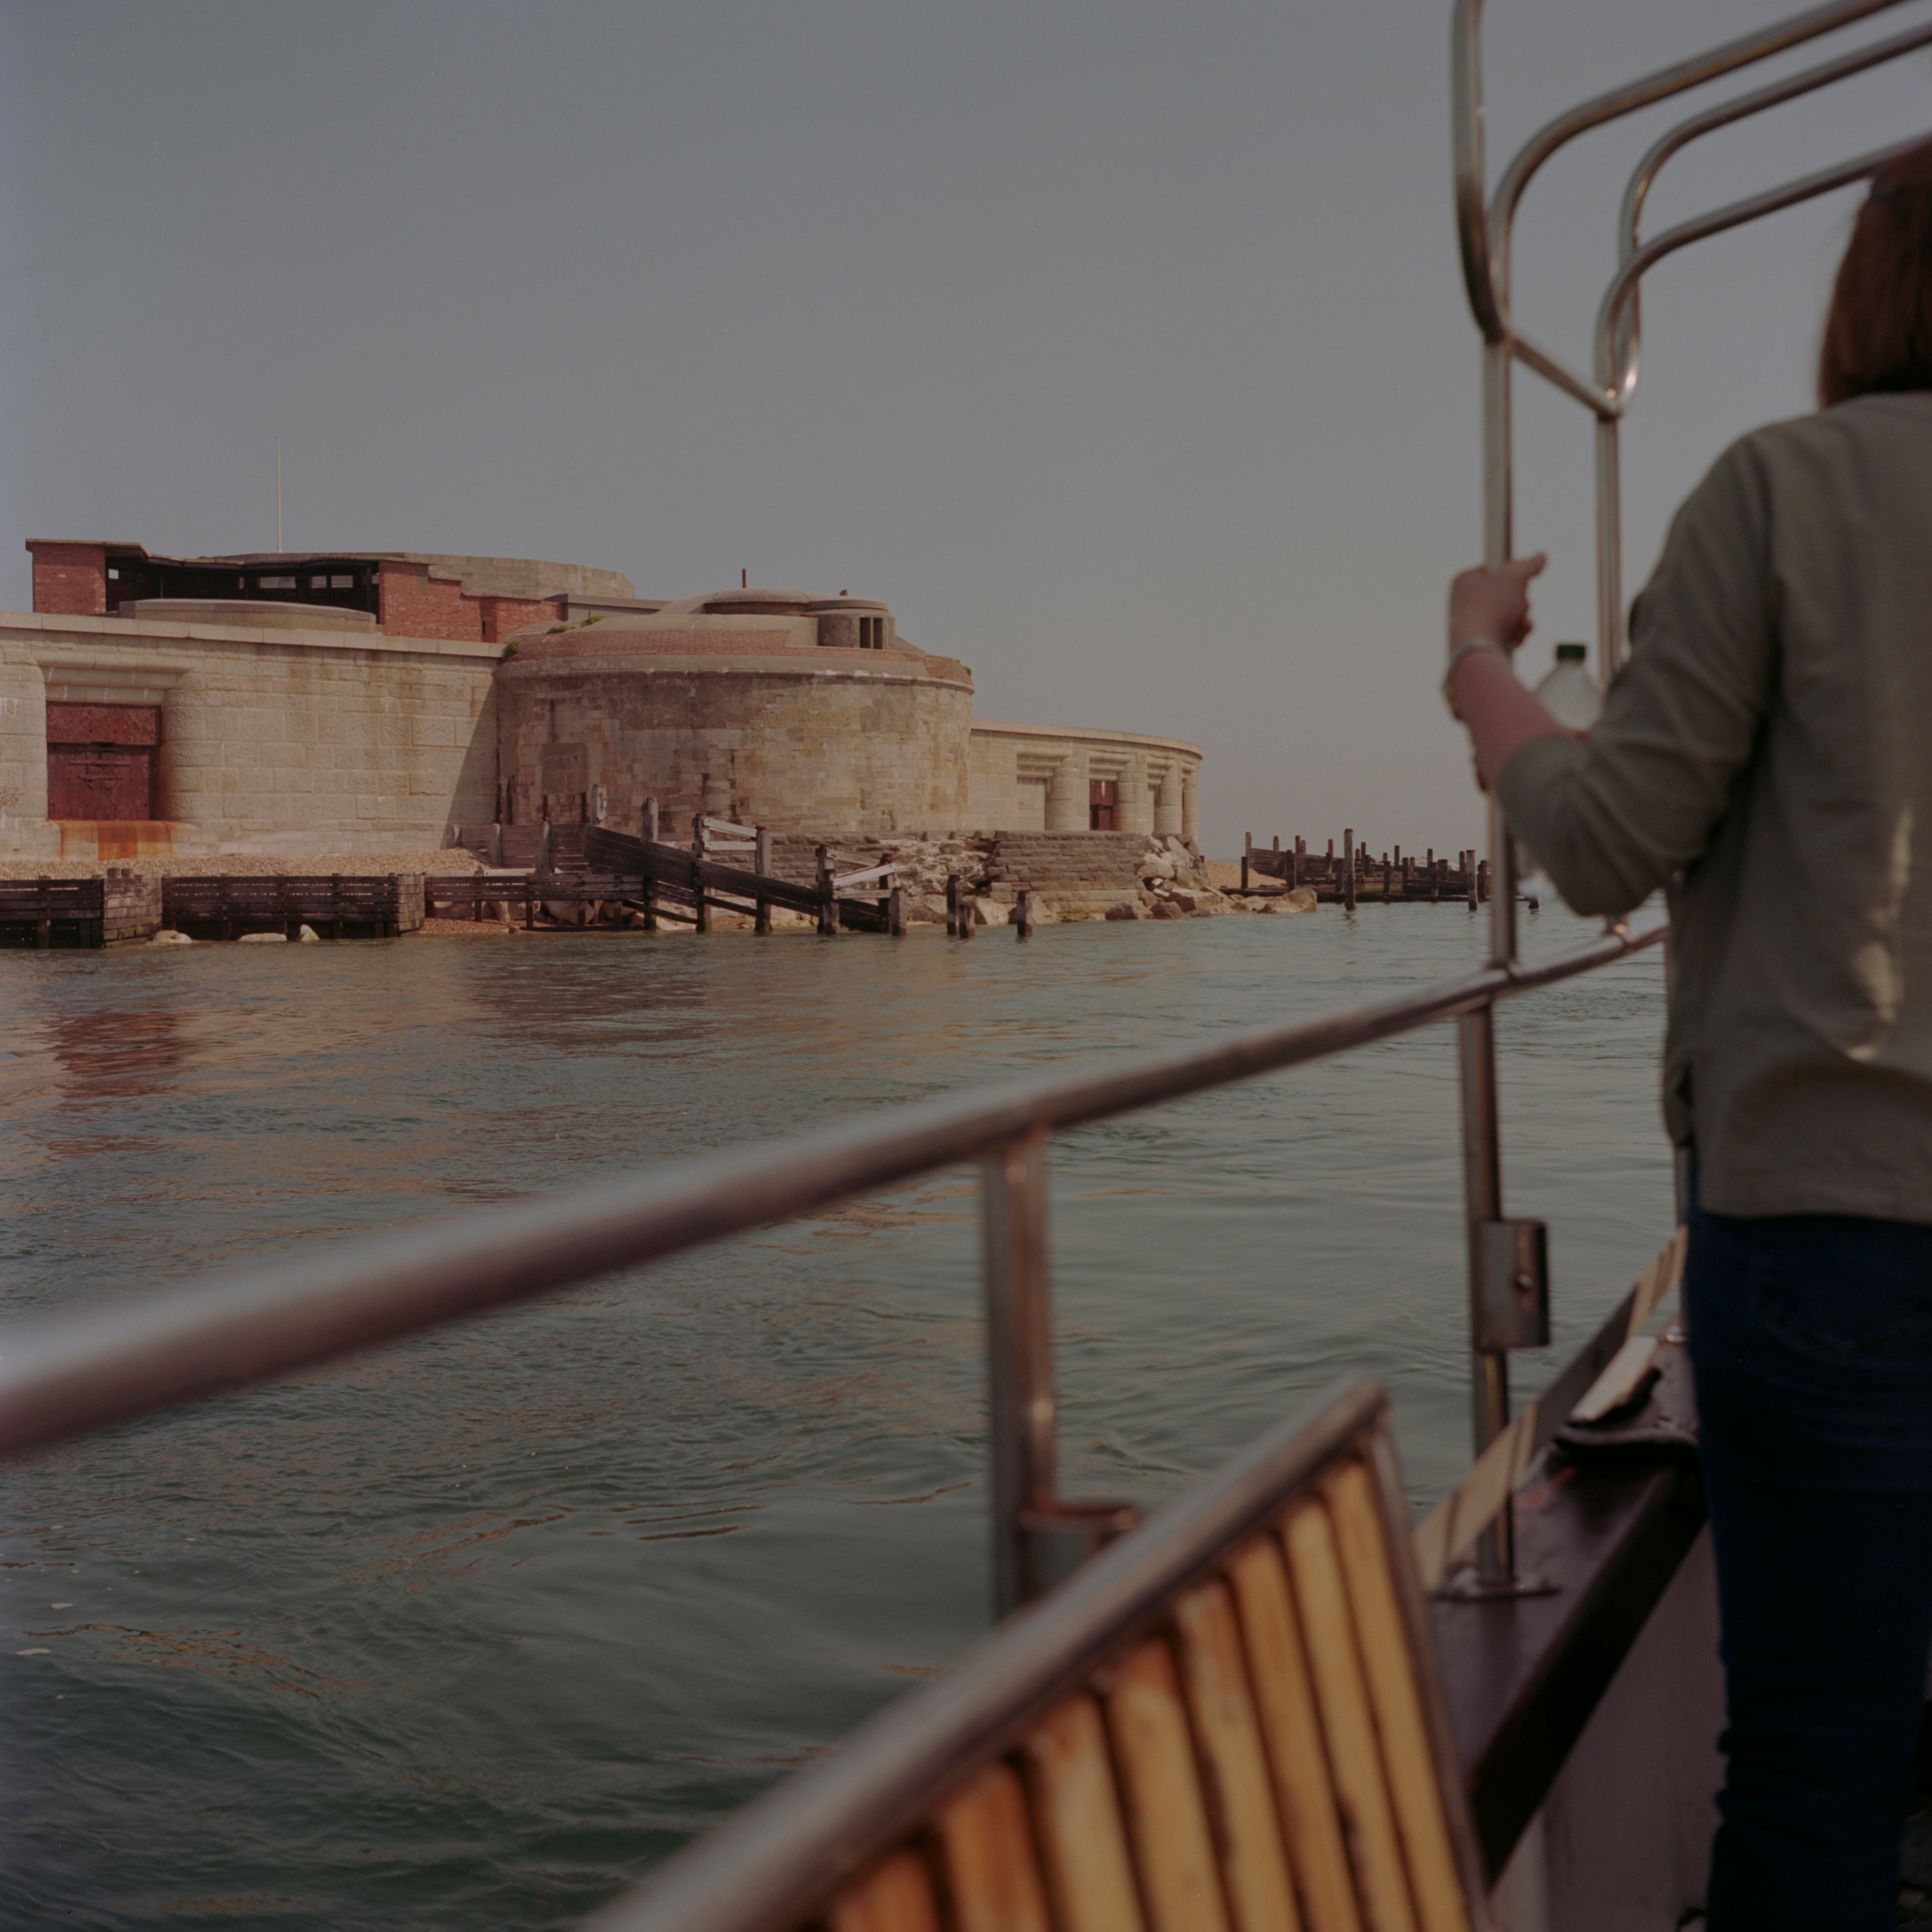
x=1227, y=1722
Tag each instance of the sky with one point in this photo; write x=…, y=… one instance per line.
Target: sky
x=1121, y=347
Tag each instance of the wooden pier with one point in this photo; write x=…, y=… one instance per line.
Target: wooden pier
x=1354, y=876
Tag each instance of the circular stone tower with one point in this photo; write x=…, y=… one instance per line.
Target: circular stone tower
x=770, y=707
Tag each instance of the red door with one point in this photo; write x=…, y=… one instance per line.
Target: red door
x=1103, y=804
x=100, y=760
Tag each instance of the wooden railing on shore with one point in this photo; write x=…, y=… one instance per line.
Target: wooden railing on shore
x=660, y=881
x=389, y=904
x=74, y=905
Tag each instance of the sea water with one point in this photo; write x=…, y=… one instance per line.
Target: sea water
x=474, y=1630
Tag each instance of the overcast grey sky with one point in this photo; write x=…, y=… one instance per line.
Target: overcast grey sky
x=1120, y=346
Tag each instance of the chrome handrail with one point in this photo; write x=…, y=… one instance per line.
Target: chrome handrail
x=1486, y=221
x=122, y=1357
x=1725, y=114
x=1486, y=229
x=778, y=1856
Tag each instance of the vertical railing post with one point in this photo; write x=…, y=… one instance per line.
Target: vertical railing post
x=1609, y=553
x=1476, y=1032
x=1482, y=1201
x=1019, y=1363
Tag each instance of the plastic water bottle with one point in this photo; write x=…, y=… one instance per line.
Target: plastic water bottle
x=1570, y=693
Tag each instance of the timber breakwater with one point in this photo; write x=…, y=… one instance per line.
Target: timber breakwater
x=1353, y=874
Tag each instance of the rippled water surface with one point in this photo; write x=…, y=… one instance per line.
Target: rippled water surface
x=469, y=1632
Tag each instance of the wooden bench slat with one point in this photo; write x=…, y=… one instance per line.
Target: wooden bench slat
x=1348, y=1721
x=992, y=1873
x=1254, y=1864
x=1167, y=1815
x=1406, y=1757
x=1285, y=1700
x=894, y=1896
x=1077, y=1810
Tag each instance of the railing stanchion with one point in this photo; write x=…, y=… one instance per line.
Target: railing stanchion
x=1482, y=1189
x=1019, y=1360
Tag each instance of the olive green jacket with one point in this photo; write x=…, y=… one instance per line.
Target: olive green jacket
x=1766, y=752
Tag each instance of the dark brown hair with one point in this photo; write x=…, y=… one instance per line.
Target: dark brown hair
x=1878, y=330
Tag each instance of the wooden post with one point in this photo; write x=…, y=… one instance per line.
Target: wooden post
x=1435, y=866
x=698, y=836
x=828, y=904
x=1469, y=874
x=1301, y=859
x=761, y=864
x=1024, y=921
x=1482, y=880
x=1348, y=866
x=952, y=905
x=895, y=921
x=1247, y=846
x=650, y=821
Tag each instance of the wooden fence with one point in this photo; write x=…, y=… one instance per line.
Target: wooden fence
x=34, y=911
x=383, y=905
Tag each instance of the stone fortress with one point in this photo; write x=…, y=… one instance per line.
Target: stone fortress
x=338, y=703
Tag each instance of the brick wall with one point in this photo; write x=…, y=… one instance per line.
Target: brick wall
x=412, y=604
x=503, y=617
x=70, y=580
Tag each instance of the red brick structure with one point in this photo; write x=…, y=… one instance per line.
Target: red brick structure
x=409, y=593
x=70, y=578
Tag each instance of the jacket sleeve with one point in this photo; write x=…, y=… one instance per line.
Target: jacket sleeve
x=1613, y=816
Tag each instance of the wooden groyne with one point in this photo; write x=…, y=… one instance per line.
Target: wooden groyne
x=1353, y=875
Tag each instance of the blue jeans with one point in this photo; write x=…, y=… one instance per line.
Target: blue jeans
x=1811, y=1342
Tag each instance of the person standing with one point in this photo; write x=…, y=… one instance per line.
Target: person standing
x=1765, y=757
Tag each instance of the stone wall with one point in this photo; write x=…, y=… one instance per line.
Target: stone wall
x=753, y=738
x=271, y=738
x=1033, y=777
x=131, y=905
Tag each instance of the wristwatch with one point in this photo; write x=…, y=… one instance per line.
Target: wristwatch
x=1457, y=653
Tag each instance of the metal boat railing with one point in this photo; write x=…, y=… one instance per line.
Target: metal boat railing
x=126, y=1357
x=1486, y=221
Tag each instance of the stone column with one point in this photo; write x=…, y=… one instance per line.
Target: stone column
x=1067, y=796
x=1136, y=806
x=188, y=763
x=1168, y=819
x=23, y=759
x=1190, y=805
